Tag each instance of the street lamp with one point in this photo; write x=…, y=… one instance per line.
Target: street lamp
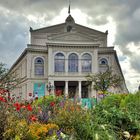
x=49, y=87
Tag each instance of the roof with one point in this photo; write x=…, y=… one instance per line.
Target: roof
x=23, y=54
x=69, y=20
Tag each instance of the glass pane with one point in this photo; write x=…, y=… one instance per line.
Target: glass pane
x=59, y=65
x=59, y=62
x=73, y=63
x=103, y=61
x=39, y=70
x=39, y=61
x=86, y=63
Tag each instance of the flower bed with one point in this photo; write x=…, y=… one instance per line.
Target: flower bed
x=58, y=118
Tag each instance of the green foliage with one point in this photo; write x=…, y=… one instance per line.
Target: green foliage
x=15, y=129
x=8, y=80
x=120, y=112
x=46, y=100
x=112, y=119
x=103, y=81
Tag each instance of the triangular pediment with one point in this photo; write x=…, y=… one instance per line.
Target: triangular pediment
x=70, y=37
x=78, y=33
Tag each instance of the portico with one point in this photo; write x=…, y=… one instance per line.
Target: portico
x=73, y=89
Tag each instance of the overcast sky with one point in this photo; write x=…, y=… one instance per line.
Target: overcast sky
x=120, y=17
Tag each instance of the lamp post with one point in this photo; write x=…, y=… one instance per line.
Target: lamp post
x=49, y=87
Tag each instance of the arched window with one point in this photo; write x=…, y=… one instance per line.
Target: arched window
x=39, y=66
x=86, y=62
x=59, y=61
x=103, y=61
x=73, y=62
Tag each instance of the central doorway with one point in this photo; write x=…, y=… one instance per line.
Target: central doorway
x=59, y=87
x=73, y=88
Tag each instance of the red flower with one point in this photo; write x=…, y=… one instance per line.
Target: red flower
x=29, y=108
x=33, y=118
x=2, y=99
x=52, y=104
x=17, y=105
x=18, y=108
x=58, y=92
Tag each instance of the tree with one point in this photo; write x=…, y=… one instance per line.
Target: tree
x=7, y=80
x=104, y=80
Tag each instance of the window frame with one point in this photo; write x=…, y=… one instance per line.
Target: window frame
x=39, y=66
x=101, y=61
x=73, y=63
x=86, y=60
x=62, y=65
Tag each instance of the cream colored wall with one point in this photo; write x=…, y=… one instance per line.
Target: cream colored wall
x=112, y=62
x=20, y=70
x=38, y=38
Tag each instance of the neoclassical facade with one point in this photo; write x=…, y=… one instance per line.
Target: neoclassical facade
x=59, y=58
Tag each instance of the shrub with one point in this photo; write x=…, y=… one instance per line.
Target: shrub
x=120, y=112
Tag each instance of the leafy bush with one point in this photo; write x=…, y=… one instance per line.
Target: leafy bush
x=55, y=118
x=121, y=112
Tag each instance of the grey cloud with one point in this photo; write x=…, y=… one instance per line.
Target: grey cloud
x=33, y=6
x=135, y=63
x=13, y=37
x=126, y=14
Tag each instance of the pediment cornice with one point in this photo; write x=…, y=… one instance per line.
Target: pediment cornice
x=73, y=36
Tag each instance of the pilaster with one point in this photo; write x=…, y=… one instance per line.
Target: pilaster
x=50, y=61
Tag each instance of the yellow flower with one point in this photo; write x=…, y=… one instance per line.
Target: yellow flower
x=38, y=130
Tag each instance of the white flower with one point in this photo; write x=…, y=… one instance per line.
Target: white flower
x=126, y=134
x=96, y=137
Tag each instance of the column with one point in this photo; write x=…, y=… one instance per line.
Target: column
x=95, y=61
x=79, y=89
x=66, y=88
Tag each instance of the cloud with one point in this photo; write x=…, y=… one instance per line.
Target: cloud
x=13, y=36
x=17, y=15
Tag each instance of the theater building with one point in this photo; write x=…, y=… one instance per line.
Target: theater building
x=60, y=56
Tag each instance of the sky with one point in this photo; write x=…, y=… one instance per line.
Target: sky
x=120, y=17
